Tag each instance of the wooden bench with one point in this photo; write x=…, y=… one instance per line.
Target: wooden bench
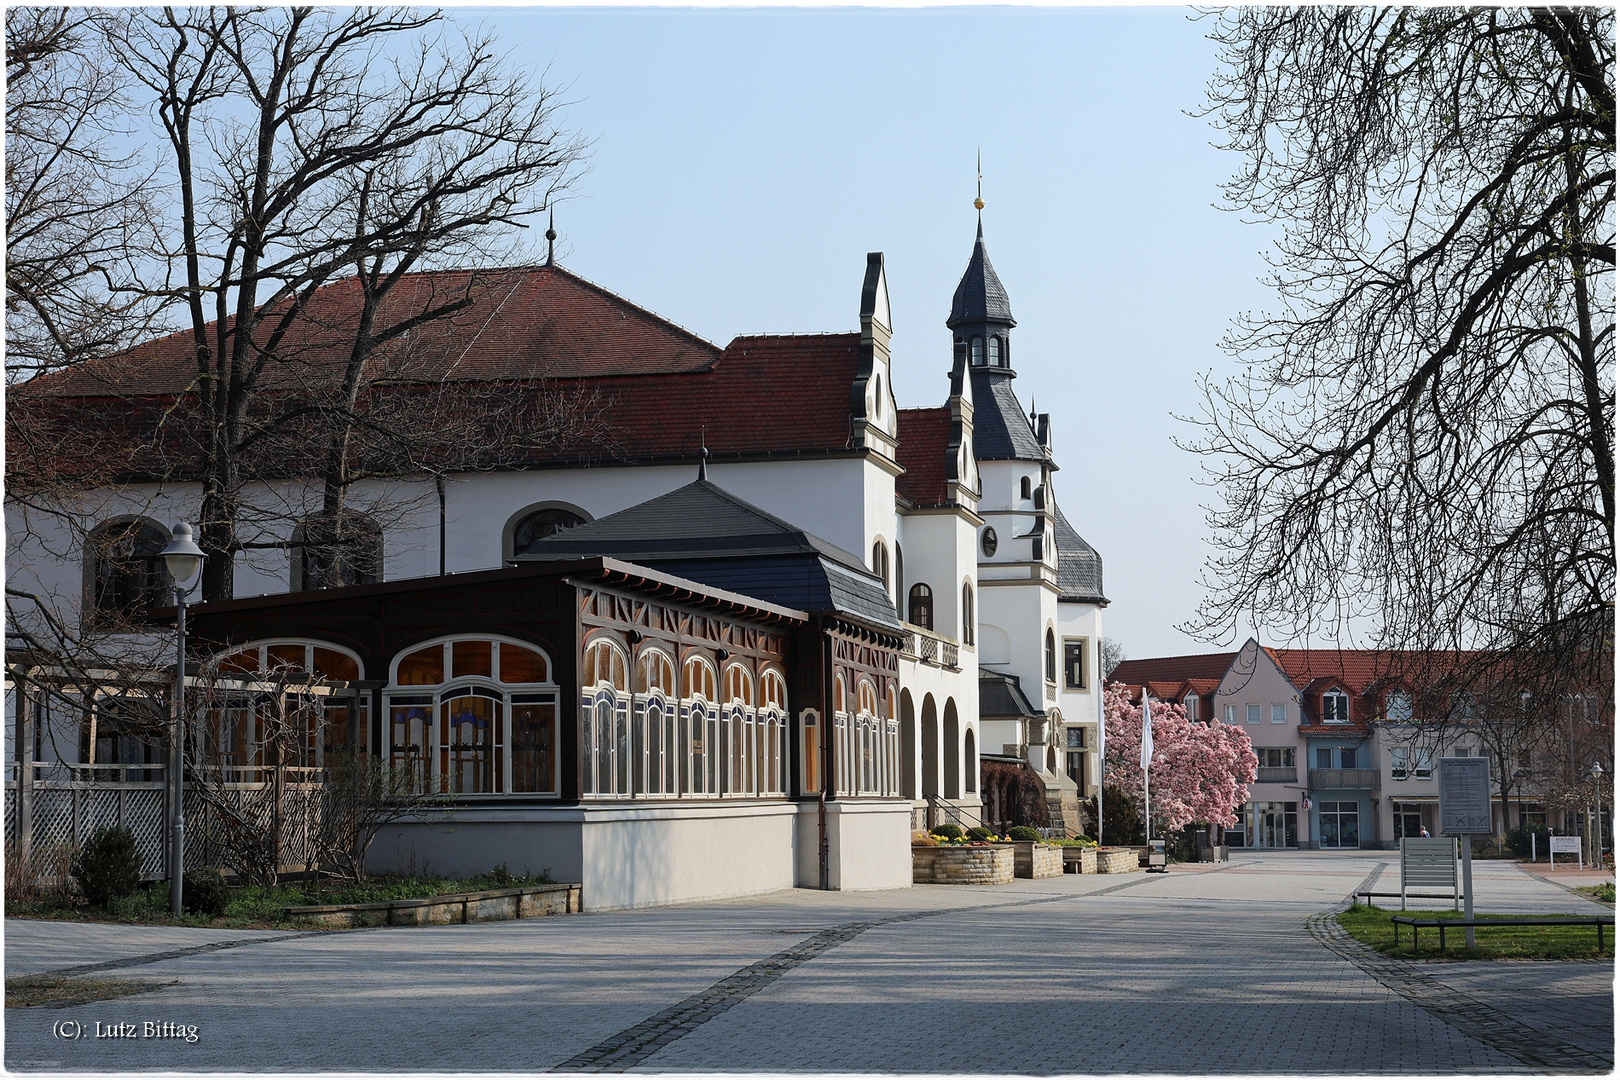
x=1563, y=920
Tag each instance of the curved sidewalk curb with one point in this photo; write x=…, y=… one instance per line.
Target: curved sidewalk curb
x=1478, y=1021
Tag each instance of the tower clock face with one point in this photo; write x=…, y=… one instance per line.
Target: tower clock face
x=987, y=542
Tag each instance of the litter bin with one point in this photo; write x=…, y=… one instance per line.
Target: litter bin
x=1158, y=861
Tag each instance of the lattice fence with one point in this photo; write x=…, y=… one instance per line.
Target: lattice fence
x=69, y=803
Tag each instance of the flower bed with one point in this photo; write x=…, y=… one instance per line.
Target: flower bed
x=1033, y=859
x=962, y=864
x=1079, y=860
x=1116, y=860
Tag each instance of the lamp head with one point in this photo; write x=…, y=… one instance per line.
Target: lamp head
x=1595, y=771
x=182, y=555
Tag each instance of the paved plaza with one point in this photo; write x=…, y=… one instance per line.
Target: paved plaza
x=1229, y=969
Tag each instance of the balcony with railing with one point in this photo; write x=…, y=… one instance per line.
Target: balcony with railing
x=1277, y=774
x=1343, y=779
x=933, y=649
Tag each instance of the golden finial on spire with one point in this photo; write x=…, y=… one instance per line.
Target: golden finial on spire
x=978, y=203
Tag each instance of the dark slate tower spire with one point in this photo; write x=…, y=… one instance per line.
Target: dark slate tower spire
x=981, y=323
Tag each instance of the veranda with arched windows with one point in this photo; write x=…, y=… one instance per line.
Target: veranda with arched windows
x=705, y=735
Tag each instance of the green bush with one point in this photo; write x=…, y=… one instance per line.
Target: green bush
x=1518, y=840
x=1023, y=832
x=949, y=831
x=979, y=832
x=108, y=866
x=204, y=891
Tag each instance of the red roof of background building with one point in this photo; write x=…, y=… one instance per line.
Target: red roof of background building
x=924, y=436
x=1172, y=669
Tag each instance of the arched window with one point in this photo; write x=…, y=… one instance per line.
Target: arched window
x=1023, y=487
x=921, y=607
x=474, y=716
x=124, y=573
x=773, y=725
x=967, y=613
x=976, y=350
x=541, y=524
x=603, y=666
x=701, y=719
x=324, y=724
x=655, y=673
x=334, y=550
x=995, y=352
x=880, y=562
x=1051, y=657
x=867, y=750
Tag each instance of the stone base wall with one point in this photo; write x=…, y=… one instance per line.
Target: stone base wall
x=1035, y=860
x=1116, y=861
x=1079, y=860
x=991, y=865
x=493, y=905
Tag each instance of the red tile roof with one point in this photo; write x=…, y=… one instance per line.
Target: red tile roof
x=924, y=436
x=659, y=389
x=1172, y=669
x=522, y=322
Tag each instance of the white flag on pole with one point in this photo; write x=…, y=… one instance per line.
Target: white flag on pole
x=1147, y=733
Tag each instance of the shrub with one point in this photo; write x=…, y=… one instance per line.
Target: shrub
x=204, y=891
x=923, y=839
x=1023, y=832
x=949, y=830
x=108, y=866
x=979, y=832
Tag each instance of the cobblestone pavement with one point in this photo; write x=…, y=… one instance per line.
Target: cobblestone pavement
x=1203, y=970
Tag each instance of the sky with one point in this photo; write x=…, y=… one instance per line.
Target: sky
x=744, y=161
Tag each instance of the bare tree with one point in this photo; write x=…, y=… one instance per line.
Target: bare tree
x=305, y=144
x=78, y=218
x=1419, y=450
x=1110, y=654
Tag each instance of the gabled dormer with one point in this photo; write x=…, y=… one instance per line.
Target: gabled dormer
x=961, y=468
x=871, y=396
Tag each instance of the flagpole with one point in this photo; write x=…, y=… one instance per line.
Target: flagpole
x=1147, y=759
x=1102, y=738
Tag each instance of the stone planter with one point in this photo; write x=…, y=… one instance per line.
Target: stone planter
x=1221, y=853
x=1116, y=860
x=991, y=864
x=491, y=905
x=1079, y=860
x=1033, y=859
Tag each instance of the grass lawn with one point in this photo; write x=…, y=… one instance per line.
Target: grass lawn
x=30, y=990
x=259, y=907
x=1371, y=926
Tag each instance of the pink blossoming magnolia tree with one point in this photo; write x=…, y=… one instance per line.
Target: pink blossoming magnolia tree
x=1200, y=772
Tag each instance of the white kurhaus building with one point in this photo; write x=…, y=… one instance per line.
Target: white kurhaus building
x=979, y=669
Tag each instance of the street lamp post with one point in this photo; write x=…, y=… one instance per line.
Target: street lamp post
x=1595, y=828
x=1518, y=792
x=184, y=559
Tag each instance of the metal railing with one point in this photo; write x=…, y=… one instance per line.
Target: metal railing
x=1343, y=779
x=1276, y=774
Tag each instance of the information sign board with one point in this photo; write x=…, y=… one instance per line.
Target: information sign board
x=1564, y=845
x=1465, y=795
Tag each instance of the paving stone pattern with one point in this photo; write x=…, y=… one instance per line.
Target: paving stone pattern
x=1203, y=970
